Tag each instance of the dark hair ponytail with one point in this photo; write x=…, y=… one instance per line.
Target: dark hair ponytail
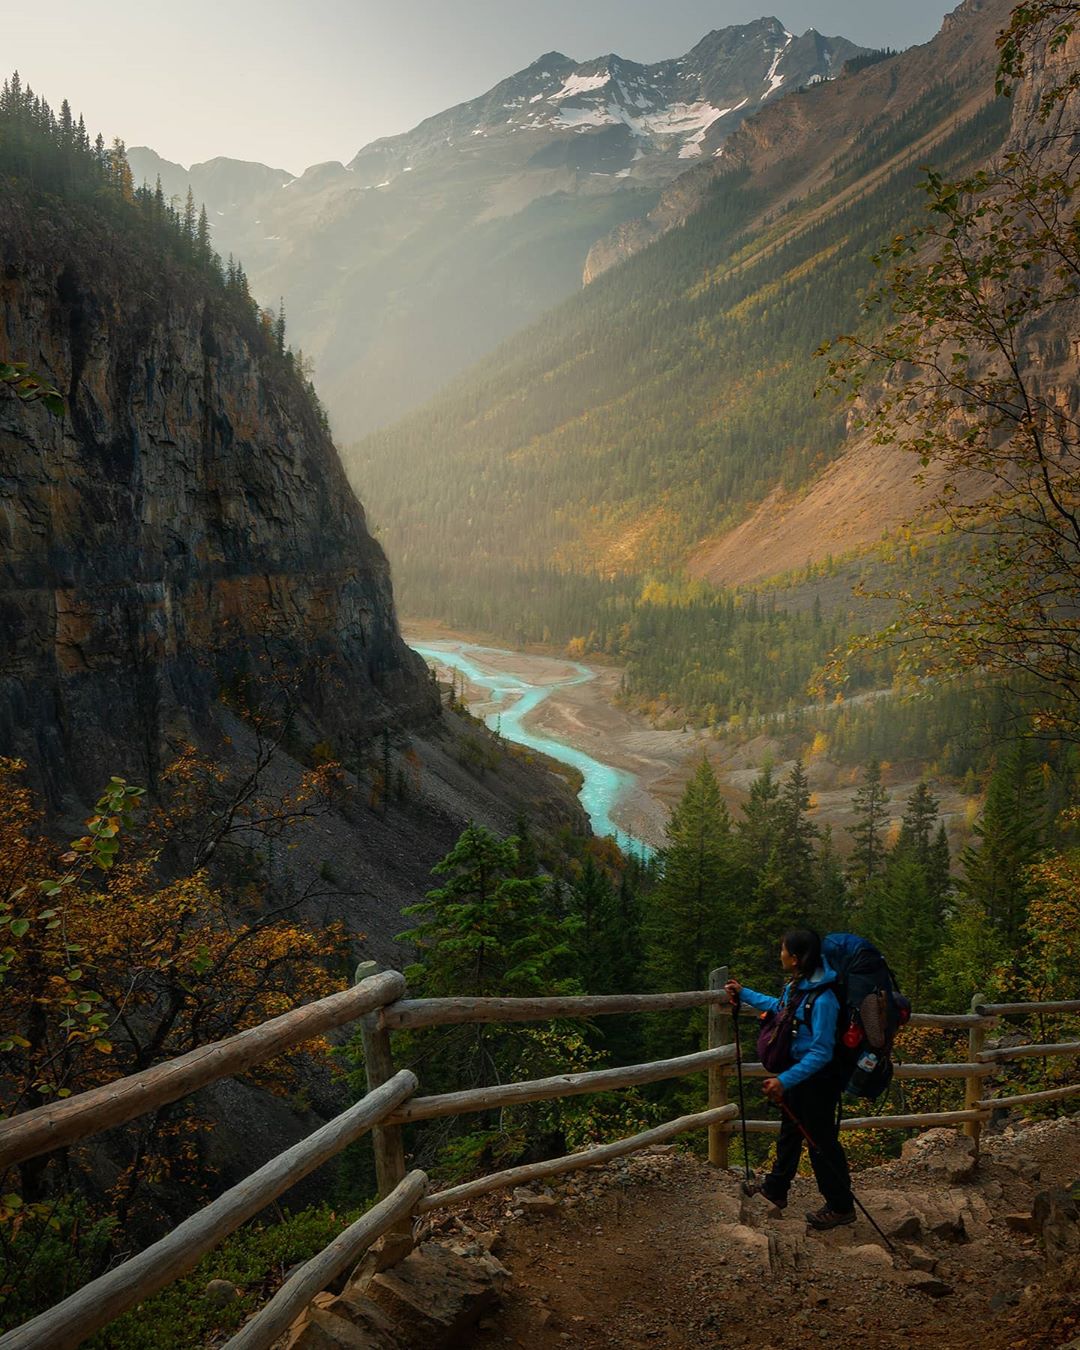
x=805, y=946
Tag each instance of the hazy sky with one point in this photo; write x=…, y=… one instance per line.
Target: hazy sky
x=295, y=82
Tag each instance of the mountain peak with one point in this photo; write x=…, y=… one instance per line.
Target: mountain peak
x=552, y=59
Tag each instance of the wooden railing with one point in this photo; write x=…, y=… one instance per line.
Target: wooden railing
x=377, y=1002
x=979, y=1065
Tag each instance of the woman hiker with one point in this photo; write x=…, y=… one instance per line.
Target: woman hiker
x=810, y=1088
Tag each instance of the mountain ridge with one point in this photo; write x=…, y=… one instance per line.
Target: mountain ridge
x=642, y=420
x=414, y=259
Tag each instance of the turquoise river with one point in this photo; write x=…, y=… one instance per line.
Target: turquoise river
x=510, y=701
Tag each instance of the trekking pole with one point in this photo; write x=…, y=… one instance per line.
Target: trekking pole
x=735, y=1004
x=806, y=1135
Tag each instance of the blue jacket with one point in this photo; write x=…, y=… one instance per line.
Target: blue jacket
x=813, y=1045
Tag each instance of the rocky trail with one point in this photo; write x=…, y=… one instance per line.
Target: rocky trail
x=659, y=1250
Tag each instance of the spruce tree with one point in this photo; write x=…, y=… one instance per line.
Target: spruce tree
x=1010, y=834
x=689, y=922
x=189, y=223
x=868, y=807
x=917, y=825
x=591, y=901
x=760, y=825
x=796, y=834
x=486, y=930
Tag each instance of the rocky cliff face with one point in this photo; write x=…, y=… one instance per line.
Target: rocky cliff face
x=188, y=512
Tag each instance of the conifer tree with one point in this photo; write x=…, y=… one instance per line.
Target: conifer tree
x=869, y=809
x=689, y=922
x=760, y=825
x=189, y=224
x=279, y=327
x=829, y=907
x=917, y=824
x=203, y=248
x=486, y=930
x=593, y=905
x=1011, y=835
x=796, y=835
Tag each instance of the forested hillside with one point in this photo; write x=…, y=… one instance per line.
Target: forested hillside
x=544, y=496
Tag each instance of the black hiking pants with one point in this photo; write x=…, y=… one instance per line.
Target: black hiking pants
x=815, y=1103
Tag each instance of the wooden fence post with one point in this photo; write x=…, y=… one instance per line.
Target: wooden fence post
x=379, y=1066
x=720, y=1033
x=973, y=1086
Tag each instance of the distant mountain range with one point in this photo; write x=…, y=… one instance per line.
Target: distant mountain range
x=418, y=257
x=665, y=418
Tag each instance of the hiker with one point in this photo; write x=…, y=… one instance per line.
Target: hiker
x=810, y=1087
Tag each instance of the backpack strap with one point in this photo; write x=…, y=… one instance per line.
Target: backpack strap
x=810, y=998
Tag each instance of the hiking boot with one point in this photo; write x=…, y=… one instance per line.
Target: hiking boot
x=825, y=1218
x=760, y=1186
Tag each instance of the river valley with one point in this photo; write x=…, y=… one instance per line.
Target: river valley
x=567, y=710
x=635, y=773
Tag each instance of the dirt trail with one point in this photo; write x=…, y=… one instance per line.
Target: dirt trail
x=660, y=1251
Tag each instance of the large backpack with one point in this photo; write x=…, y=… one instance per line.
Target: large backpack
x=872, y=1010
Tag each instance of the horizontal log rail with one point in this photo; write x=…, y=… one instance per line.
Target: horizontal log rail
x=431, y=1012
x=74, y=1320
x=1071, y=1005
x=926, y=1120
x=60, y=1124
x=275, y=1317
x=380, y=999
x=1049, y=1095
x=564, y=1085
x=1028, y=1051
x=574, y=1162
x=960, y=1020
x=755, y=1070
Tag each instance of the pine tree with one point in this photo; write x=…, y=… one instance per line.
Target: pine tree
x=203, y=248
x=869, y=810
x=1010, y=833
x=485, y=932
x=760, y=825
x=903, y=918
x=829, y=906
x=592, y=904
x=189, y=223
x=689, y=922
x=939, y=865
x=795, y=837
x=917, y=825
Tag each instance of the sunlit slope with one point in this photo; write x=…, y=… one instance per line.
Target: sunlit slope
x=646, y=415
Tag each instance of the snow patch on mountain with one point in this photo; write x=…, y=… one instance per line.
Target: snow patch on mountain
x=581, y=84
x=772, y=79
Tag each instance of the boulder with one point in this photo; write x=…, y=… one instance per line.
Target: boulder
x=221, y=1293
x=435, y=1297
x=533, y=1202
x=872, y=1256
x=1057, y=1218
x=947, y=1153
x=927, y=1284
x=324, y=1330
x=367, y=1316
x=918, y=1258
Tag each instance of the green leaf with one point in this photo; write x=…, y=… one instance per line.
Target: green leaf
x=20, y=927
